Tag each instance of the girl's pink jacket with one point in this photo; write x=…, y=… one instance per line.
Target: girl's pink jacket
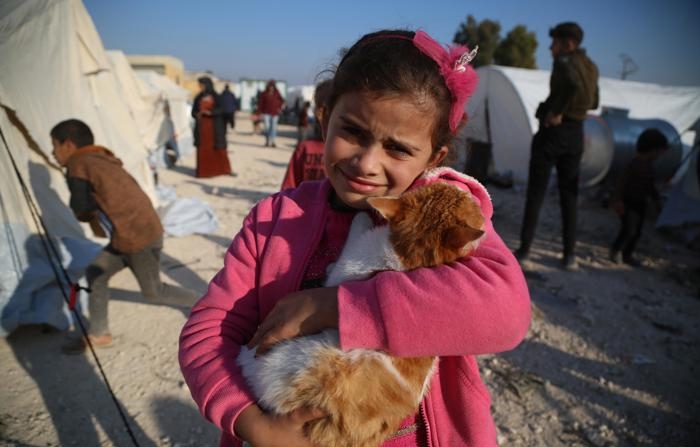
x=477, y=305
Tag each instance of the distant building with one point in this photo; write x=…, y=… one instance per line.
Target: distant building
x=169, y=66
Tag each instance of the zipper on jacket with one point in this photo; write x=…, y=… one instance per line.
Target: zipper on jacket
x=424, y=420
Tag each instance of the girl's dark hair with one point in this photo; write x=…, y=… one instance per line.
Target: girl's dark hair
x=74, y=130
x=387, y=63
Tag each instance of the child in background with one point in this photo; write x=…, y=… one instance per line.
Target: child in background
x=387, y=127
x=103, y=192
x=634, y=188
x=306, y=162
x=256, y=119
x=270, y=105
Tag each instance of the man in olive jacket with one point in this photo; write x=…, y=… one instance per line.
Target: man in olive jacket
x=558, y=143
x=106, y=196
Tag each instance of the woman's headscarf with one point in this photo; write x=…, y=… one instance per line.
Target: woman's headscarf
x=208, y=85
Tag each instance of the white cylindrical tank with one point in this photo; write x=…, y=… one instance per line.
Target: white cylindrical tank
x=626, y=130
x=598, y=151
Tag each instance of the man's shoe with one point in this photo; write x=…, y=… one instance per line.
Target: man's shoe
x=521, y=254
x=569, y=262
x=615, y=256
x=76, y=344
x=632, y=262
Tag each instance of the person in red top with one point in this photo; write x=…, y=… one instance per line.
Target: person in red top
x=307, y=160
x=270, y=105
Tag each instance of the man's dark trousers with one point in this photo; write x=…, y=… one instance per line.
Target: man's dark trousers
x=561, y=147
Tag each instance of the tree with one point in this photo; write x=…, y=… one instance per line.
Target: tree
x=517, y=49
x=466, y=33
x=486, y=34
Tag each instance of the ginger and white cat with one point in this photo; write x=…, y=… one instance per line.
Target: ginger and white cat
x=367, y=393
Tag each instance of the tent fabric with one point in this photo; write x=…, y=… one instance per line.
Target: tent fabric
x=145, y=103
x=683, y=205
x=189, y=215
x=159, y=107
x=59, y=38
x=55, y=38
x=511, y=96
x=682, y=208
x=177, y=99
x=36, y=297
x=183, y=216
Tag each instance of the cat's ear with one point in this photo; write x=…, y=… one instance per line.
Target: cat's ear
x=386, y=206
x=459, y=237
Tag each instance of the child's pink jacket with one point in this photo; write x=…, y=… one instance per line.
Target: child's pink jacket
x=475, y=306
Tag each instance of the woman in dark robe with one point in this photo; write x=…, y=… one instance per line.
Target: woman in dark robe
x=210, y=132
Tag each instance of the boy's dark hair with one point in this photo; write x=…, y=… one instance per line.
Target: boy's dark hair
x=74, y=130
x=651, y=139
x=567, y=30
x=387, y=63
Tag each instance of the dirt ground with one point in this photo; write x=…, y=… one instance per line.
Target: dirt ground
x=610, y=360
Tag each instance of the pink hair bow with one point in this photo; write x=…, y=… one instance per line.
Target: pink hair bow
x=460, y=77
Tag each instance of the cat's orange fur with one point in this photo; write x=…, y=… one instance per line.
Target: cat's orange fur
x=364, y=400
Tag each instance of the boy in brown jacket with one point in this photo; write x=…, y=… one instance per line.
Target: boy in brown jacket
x=106, y=196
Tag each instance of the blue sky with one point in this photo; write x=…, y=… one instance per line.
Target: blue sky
x=295, y=40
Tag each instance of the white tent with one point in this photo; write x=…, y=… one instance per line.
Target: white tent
x=511, y=96
x=300, y=93
x=682, y=208
x=146, y=104
x=179, y=108
x=54, y=67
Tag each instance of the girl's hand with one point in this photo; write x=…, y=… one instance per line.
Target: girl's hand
x=267, y=430
x=301, y=313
